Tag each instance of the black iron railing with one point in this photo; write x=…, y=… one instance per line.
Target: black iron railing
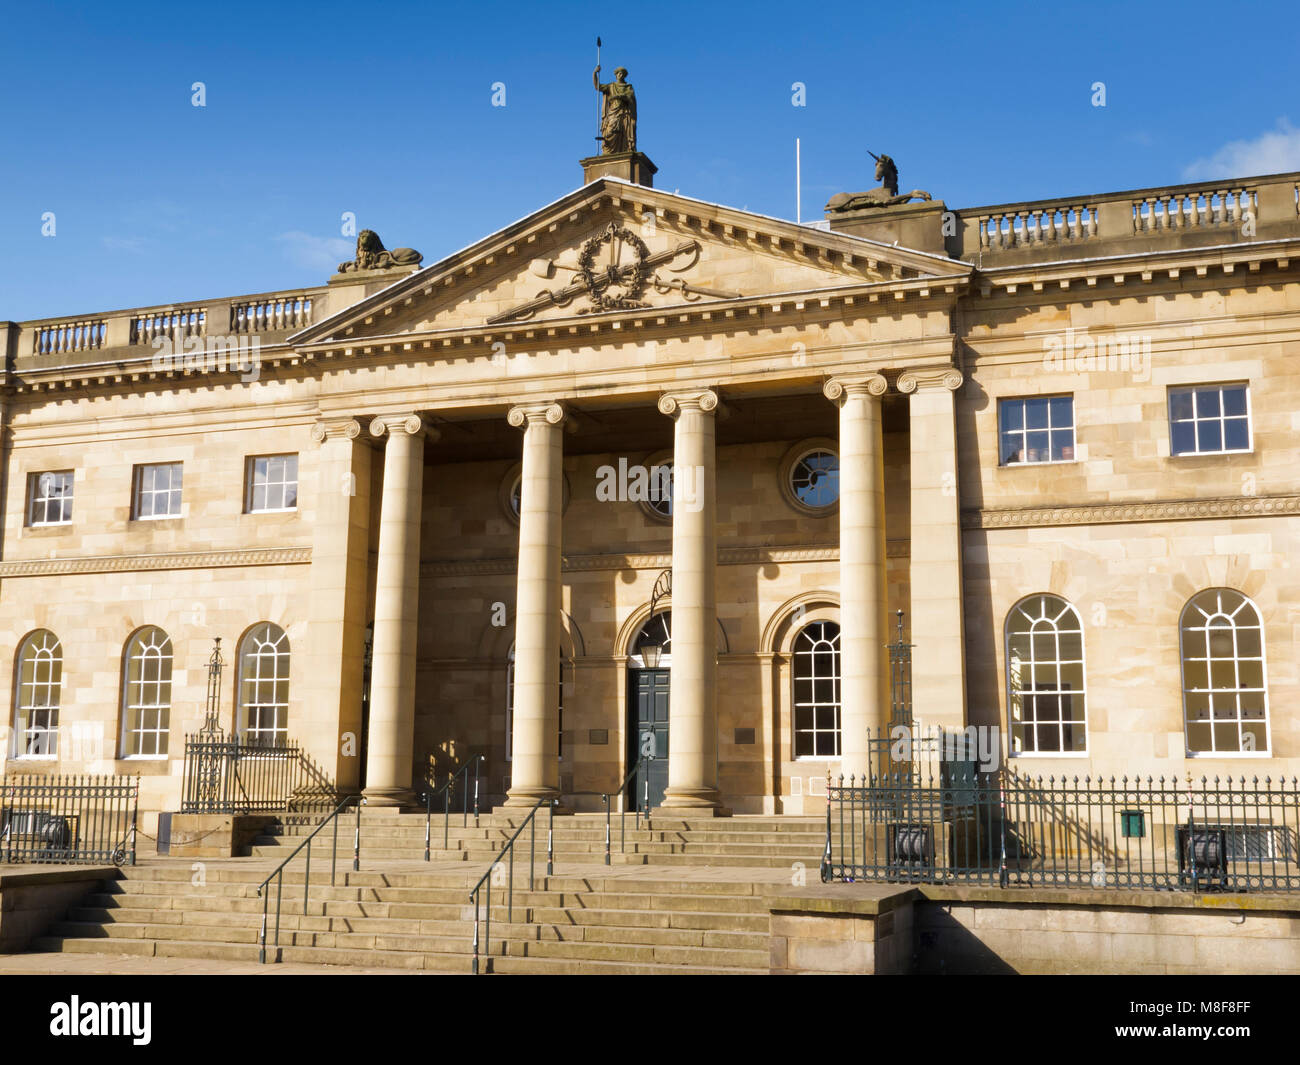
x=495, y=870
x=468, y=790
x=233, y=776
x=640, y=801
x=953, y=826
x=74, y=819
x=264, y=890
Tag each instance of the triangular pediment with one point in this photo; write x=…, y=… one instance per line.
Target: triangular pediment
x=612, y=248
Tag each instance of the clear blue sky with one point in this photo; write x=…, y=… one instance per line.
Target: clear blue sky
x=384, y=109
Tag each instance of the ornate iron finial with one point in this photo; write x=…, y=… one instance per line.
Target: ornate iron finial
x=211, y=721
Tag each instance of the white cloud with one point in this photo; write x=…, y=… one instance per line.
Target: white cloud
x=322, y=254
x=1273, y=152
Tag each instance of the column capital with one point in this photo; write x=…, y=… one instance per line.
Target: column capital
x=526, y=414
x=930, y=378
x=410, y=424
x=339, y=427
x=838, y=389
x=675, y=403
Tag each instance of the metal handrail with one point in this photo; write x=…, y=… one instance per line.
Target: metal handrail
x=636, y=806
x=306, y=882
x=476, y=894
x=445, y=792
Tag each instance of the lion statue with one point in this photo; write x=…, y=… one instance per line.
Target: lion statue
x=884, y=196
x=372, y=255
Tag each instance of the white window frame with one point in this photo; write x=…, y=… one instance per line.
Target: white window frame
x=259, y=647
x=133, y=695
x=251, y=483
x=25, y=706
x=38, y=485
x=1024, y=431
x=138, y=491
x=1237, y=720
x=1221, y=418
x=1069, y=611
x=837, y=678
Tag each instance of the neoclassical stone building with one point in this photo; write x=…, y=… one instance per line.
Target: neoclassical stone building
x=1061, y=436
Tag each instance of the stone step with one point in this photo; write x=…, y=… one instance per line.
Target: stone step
x=617, y=929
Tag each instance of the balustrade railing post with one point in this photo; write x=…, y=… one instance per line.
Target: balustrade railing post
x=428, y=800
x=261, y=938
x=477, y=765
x=446, y=813
x=550, y=840
x=306, y=879
x=474, y=898
x=605, y=800
x=356, y=839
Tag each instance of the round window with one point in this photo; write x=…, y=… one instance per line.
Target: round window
x=810, y=477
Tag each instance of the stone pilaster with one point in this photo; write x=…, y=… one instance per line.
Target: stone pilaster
x=397, y=593
x=937, y=629
x=692, y=708
x=336, y=629
x=535, y=765
x=864, y=684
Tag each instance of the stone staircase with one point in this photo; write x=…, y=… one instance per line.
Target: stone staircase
x=744, y=841
x=424, y=921
x=682, y=895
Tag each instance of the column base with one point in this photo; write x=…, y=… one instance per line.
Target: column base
x=527, y=798
x=389, y=797
x=695, y=802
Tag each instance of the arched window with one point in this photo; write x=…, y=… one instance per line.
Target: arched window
x=264, y=686
x=1045, y=677
x=817, y=691
x=36, y=701
x=1225, y=697
x=147, y=694
x=510, y=705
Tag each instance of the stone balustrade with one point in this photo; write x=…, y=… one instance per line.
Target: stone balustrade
x=1198, y=208
x=1139, y=220
x=271, y=313
x=175, y=325
x=79, y=335
x=1043, y=223
x=61, y=341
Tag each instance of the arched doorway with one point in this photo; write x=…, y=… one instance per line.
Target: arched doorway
x=648, y=685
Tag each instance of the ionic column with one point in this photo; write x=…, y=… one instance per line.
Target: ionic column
x=864, y=674
x=937, y=629
x=692, y=706
x=535, y=766
x=336, y=628
x=397, y=591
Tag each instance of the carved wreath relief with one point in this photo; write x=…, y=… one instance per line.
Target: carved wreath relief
x=613, y=272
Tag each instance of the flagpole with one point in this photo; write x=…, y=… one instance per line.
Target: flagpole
x=598, y=100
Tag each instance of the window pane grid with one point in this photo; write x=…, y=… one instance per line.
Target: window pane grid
x=273, y=483
x=816, y=701
x=1045, y=677
x=264, y=686
x=40, y=679
x=147, y=709
x=1225, y=701
x=158, y=491
x=1038, y=429
x=1209, y=420
x=51, y=498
